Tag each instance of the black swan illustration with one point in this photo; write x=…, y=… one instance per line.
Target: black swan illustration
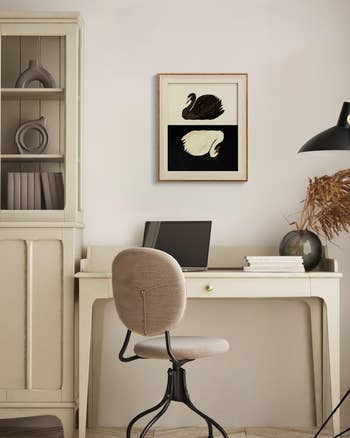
x=205, y=107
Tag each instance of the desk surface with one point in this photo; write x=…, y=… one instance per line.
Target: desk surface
x=99, y=260
x=234, y=273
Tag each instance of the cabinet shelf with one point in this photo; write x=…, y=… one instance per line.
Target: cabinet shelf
x=32, y=157
x=32, y=93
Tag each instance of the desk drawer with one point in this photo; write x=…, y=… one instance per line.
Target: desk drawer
x=247, y=287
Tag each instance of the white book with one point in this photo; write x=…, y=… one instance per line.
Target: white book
x=275, y=265
x=37, y=191
x=275, y=262
x=273, y=269
x=277, y=259
x=17, y=186
x=24, y=191
x=267, y=262
x=10, y=191
x=274, y=258
x=30, y=191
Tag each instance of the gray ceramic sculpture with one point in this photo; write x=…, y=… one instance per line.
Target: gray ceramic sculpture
x=35, y=72
x=38, y=125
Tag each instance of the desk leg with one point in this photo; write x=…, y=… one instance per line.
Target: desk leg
x=317, y=335
x=332, y=313
x=86, y=301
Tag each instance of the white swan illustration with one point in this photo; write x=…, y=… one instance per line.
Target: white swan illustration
x=198, y=143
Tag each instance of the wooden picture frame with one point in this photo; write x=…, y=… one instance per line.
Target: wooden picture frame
x=202, y=127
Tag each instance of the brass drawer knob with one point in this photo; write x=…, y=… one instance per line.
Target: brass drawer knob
x=209, y=288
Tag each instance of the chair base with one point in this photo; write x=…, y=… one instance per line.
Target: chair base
x=176, y=390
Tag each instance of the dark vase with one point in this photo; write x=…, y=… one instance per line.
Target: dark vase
x=303, y=243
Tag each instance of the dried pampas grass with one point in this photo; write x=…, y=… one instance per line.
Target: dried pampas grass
x=326, y=208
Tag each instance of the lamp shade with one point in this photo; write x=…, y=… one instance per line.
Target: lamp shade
x=335, y=138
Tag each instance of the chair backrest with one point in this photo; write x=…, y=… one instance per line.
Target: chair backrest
x=149, y=290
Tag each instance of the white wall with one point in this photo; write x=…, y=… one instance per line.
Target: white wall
x=296, y=55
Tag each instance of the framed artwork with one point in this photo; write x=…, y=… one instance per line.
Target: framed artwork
x=203, y=127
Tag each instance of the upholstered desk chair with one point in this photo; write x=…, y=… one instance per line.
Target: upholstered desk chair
x=150, y=297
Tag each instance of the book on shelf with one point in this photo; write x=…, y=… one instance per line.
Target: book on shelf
x=17, y=191
x=10, y=191
x=60, y=189
x=53, y=189
x=37, y=191
x=46, y=190
x=24, y=191
x=21, y=191
x=30, y=191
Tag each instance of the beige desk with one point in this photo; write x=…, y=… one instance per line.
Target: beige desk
x=309, y=287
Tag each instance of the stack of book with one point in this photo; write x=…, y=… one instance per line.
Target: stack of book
x=274, y=264
x=23, y=191
x=35, y=191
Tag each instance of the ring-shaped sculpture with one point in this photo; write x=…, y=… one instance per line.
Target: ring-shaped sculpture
x=38, y=125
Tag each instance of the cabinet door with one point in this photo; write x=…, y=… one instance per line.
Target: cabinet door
x=13, y=314
x=36, y=316
x=56, y=48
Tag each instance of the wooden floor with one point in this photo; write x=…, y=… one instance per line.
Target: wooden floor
x=195, y=432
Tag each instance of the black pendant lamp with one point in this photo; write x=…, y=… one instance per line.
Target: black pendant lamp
x=336, y=138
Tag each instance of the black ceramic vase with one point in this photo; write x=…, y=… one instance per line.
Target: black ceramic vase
x=303, y=243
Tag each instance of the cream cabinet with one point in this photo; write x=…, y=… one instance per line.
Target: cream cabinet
x=40, y=243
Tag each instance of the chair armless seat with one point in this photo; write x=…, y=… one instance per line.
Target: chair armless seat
x=183, y=347
x=150, y=298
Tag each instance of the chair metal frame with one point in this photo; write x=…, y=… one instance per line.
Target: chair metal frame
x=345, y=396
x=176, y=390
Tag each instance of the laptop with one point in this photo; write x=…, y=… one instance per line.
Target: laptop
x=187, y=241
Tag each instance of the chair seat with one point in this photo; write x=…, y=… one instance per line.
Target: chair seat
x=184, y=347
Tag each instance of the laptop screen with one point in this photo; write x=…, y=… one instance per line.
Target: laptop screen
x=187, y=241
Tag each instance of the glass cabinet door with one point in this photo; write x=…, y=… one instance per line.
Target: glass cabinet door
x=39, y=148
